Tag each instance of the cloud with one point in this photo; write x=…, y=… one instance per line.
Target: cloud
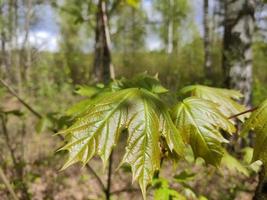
x=41, y=40
x=44, y=40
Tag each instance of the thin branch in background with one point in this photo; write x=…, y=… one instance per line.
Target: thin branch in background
x=8, y=142
x=242, y=113
x=12, y=91
x=38, y=115
x=108, y=189
x=7, y=184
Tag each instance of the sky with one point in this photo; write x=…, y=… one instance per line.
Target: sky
x=45, y=33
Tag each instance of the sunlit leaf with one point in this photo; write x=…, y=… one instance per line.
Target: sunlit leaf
x=133, y=3
x=258, y=123
x=184, y=176
x=79, y=108
x=225, y=98
x=200, y=122
x=88, y=91
x=145, y=81
x=98, y=128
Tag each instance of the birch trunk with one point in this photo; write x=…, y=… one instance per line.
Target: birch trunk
x=237, y=52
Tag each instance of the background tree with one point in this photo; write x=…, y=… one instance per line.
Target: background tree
x=76, y=28
x=173, y=14
x=237, y=46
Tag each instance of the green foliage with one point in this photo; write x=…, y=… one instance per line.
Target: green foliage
x=223, y=97
x=257, y=123
x=135, y=107
x=163, y=190
x=176, y=14
x=138, y=110
x=184, y=176
x=89, y=91
x=133, y=3
x=200, y=122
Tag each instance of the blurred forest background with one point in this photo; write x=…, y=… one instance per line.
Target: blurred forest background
x=51, y=47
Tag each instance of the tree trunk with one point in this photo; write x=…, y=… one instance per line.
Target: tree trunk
x=10, y=25
x=207, y=40
x=237, y=52
x=102, y=69
x=237, y=60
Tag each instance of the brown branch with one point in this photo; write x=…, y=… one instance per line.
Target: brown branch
x=38, y=115
x=242, y=113
x=8, y=142
x=12, y=92
x=7, y=184
x=108, y=188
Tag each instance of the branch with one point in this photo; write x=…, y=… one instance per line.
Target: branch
x=108, y=193
x=12, y=92
x=8, y=142
x=38, y=115
x=242, y=113
x=100, y=182
x=7, y=184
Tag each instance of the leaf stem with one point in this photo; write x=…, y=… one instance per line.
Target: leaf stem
x=100, y=182
x=242, y=113
x=108, y=188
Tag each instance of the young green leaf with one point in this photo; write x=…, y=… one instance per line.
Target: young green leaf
x=163, y=191
x=225, y=98
x=133, y=3
x=258, y=123
x=184, y=176
x=145, y=81
x=88, y=91
x=200, y=122
x=97, y=130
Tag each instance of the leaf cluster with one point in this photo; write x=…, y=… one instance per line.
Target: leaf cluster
x=135, y=107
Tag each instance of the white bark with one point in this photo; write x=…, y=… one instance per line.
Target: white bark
x=238, y=36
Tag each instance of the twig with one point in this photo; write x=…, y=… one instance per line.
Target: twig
x=12, y=91
x=242, y=113
x=7, y=184
x=8, y=143
x=100, y=182
x=108, y=192
x=39, y=116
